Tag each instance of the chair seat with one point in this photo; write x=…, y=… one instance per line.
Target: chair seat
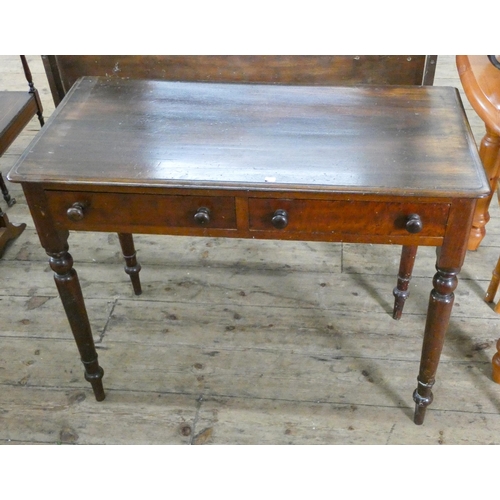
x=17, y=108
x=481, y=82
x=16, y=111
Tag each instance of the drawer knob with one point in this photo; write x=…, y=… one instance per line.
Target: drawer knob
x=414, y=224
x=76, y=212
x=280, y=219
x=202, y=216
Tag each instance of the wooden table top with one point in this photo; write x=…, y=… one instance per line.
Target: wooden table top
x=377, y=140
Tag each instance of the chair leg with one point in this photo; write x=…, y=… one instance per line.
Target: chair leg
x=489, y=154
x=132, y=267
x=6, y=196
x=493, y=286
x=495, y=362
x=8, y=231
x=40, y=117
x=401, y=292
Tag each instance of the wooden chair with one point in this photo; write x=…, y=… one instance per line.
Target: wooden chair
x=63, y=71
x=16, y=111
x=481, y=83
x=480, y=77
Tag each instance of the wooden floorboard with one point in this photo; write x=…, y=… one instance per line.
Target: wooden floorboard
x=239, y=341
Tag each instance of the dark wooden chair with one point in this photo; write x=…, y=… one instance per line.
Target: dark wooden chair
x=17, y=108
x=63, y=71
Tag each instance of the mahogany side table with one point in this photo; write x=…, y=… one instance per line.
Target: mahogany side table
x=381, y=165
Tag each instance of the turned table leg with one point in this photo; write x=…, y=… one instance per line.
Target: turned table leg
x=132, y=267
x=489, y=153
x=55, y=243
x=401, y=292
x=438, y=316
x=450, y=257
x=68, y=285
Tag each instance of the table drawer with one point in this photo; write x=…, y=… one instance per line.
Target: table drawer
x=100, y=210
x=348, y=217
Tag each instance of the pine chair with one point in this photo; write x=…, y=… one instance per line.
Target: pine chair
x=481, y=83
x=480, y=77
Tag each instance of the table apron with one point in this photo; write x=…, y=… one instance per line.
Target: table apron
x=237, y=216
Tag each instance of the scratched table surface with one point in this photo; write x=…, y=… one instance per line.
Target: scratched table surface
x=394, y=140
